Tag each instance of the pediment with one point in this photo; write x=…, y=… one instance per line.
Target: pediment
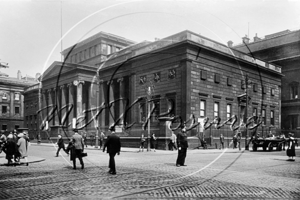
x=55, y=69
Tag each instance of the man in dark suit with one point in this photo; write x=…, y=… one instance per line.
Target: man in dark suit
x=61, y=145
x=113, y=145
x=182, y=145
x=78, y=148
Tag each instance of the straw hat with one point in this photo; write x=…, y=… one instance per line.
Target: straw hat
x=20, y=135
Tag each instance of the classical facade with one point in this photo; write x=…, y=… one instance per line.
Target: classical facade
x=12, y=100
x=282, y=48
x=184, y=76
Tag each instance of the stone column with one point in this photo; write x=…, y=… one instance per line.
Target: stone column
x=111, y=110
x=50, y=104
x=79, y=100
x=101, y=117
x=63, y=103
x=72, y=103
x=122, y=96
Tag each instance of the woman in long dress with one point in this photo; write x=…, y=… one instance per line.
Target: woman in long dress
x=23, y=147
x=290, y=152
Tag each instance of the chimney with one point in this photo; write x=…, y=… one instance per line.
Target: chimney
x=246, y=39
x=37, y=76
x=256, y=38
x=19, y=75
x=229, y=44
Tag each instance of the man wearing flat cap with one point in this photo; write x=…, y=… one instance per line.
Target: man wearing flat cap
x=113, y=145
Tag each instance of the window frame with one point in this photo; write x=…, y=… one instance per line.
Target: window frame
x=202, y=109
x=218, y=109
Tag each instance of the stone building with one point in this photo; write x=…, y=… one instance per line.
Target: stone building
x=282, y=48
x=12, y=100
x=181, y=75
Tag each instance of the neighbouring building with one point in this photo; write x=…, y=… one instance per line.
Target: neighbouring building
x=182, y=75
x=282, y=48
x=12, y=100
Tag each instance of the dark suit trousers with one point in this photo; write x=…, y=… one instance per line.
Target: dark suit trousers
x=112, y=164
x=181, y=156
x=77, y=155
x=59, y=148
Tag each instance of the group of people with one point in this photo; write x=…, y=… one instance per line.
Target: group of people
x=76, y=145
x=15, y=146
x=152, y=142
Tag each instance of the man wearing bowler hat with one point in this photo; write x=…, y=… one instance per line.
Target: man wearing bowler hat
x=113, y=145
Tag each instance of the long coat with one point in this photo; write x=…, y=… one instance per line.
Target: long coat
x=10, y=148
x=113, y=144
x=290, y=152
x=22, y=147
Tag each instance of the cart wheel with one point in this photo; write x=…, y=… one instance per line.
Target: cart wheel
x=264, y=148
x=270, y=147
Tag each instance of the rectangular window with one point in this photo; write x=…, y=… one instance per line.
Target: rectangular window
x=17, y=96
x=228, y=111
x=294, y=92
x=202, y=108
x=17, y=126
x=4, y=109
x=98, y=49
x=254, y=112
x=109, y=49
x=272, y=92
x=263, y=113
x=17, y=110
x=217, y=78
x=229, y=81
x=203, y=74
x=216, y=109
x=255, y=87
x=272, y=117
x=264, y=89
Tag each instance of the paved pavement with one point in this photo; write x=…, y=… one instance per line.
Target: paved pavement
x=210, y=174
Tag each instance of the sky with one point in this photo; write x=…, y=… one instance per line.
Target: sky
x=31, y=30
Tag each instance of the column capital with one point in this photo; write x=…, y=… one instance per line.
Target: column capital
x=77, y=82
x=120, y=80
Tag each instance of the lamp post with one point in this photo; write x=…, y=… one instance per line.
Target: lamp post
x=150, y=91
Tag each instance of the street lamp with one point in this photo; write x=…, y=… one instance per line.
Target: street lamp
x=150, y=91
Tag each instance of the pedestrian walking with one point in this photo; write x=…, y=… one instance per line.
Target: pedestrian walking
x=182, y=145
x=22, y=148
x=113, y=145
x=102, y=136
x=85, y=138
x=290, y=152
x=152, y=142
x=173, y=141
x=142, y=142
x=78, y=149
x=10, y=148
x=221, y=141
x=61, y=145
x=238, y=139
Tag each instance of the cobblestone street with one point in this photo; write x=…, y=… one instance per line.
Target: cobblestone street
x=153, y=175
